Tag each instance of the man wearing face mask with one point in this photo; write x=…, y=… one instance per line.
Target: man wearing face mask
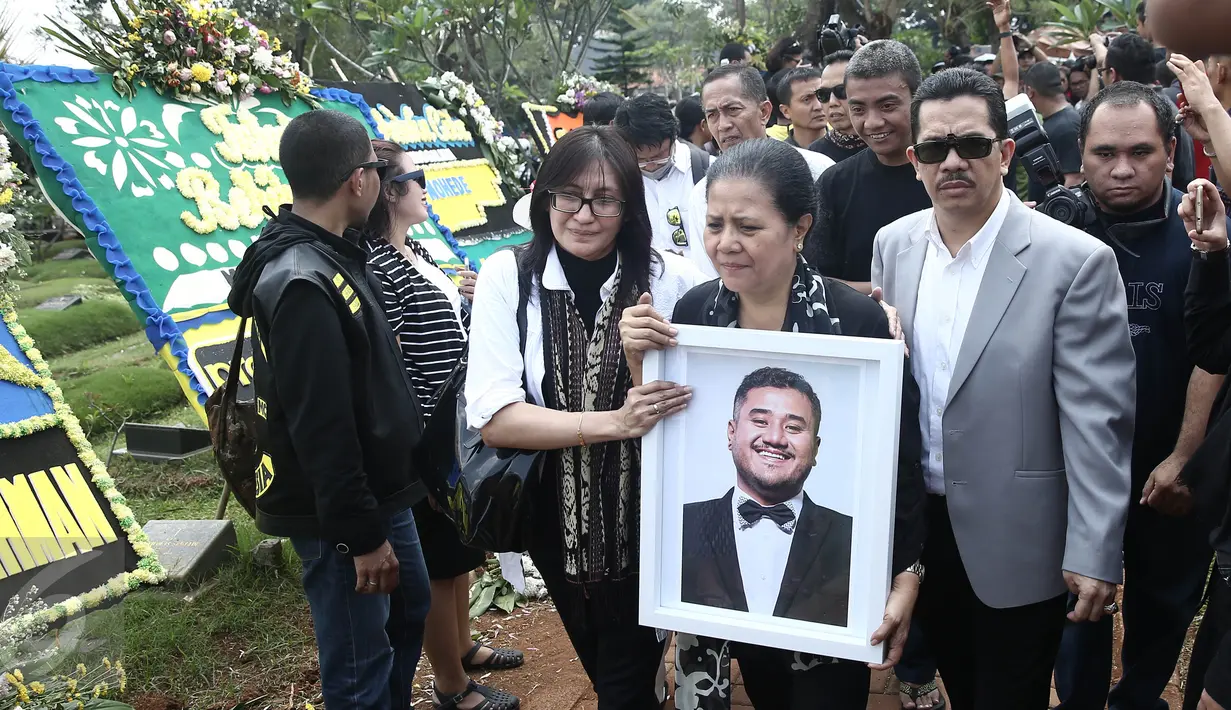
x=669, y=169
x=1127, y=147
x=736, y=107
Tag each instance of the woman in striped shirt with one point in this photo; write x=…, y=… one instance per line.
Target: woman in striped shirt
x=428, y=315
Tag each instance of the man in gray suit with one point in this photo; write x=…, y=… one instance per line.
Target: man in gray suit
x=1018, y=334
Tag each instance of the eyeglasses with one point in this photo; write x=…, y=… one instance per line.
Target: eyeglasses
x=599, y=206
x=968, y=148
x=654, y=164
x=381, y=166
x=823, y=93
x=418, y=176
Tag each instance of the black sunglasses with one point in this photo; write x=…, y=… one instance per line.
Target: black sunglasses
x=417, y=176
x=381, y=167
x=968, y=148
x=823, y=93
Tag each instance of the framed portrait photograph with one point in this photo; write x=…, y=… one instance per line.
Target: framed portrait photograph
x=767, y=506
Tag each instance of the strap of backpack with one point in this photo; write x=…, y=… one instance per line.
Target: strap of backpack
x=523, y=304
x=232, y=383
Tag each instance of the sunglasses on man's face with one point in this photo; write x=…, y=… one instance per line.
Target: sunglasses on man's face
x=967, y=147
x=416, y=176
x=381, y=166
x=823, y=93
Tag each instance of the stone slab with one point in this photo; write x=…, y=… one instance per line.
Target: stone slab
x=70, y=254
x=192, y=550
x=59, y=303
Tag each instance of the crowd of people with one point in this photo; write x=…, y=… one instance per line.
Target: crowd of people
x=1064, y=454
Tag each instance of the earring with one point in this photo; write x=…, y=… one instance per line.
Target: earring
x=799, y=247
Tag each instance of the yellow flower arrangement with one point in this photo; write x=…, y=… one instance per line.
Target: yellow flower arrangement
x=202, y=72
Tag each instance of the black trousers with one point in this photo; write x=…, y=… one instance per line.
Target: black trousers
x=621, y=657
x=989, y=659
x=776, y=680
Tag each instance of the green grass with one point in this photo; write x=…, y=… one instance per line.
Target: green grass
x=127, y=350
x=130, y=391
x=32, y=294
x=73, y=268
x=60, y=332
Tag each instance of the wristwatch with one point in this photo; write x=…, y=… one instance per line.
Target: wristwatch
x=1005, y=35
x=1203, y=254
x=916, y=569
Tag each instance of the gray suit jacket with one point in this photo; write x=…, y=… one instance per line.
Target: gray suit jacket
x=1038, y=426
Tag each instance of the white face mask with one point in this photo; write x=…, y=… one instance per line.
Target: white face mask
x=660, y=173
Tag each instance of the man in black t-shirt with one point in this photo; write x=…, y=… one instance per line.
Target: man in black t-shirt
x=841, y=142
x=1061, y=121
x=859, y=196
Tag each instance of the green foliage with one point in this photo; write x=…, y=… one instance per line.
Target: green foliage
x=121, y=393
x=625, y=61
x=921, y=43
x=491, y=590
x=58, y=332
x=72, y=268
x=1077, y=22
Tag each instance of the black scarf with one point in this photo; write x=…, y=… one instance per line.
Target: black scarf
x=845, y=142
x=807, y=310
x=598, y=487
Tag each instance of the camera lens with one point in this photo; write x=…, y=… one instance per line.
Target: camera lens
x=1061, y=210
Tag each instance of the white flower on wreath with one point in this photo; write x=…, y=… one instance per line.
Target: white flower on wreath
x=262, y=59
x=118, y=142
x=150, y=52
x=8, y=257
x=7, y=221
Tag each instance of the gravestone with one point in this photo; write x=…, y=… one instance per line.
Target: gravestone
x=69, y=254
x=192, y=550
x=59, y=303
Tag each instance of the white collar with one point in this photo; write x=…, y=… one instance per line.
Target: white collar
x=681, y=157
x=555, y=280
x=980, y=245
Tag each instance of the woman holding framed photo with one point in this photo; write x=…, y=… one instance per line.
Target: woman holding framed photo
x=562, y=386
x=760, y=197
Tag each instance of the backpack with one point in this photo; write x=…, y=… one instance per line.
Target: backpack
x=232, y=432
x=700, y=162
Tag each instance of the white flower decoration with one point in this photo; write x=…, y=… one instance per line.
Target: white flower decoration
x=106, y=128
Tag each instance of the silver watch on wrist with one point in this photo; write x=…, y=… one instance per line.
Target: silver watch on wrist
x=917, y=570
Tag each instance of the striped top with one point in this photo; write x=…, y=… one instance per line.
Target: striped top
x=431, y=332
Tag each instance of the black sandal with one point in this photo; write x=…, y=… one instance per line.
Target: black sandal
x=492, y=699
x=915, y=692
x=501, y=659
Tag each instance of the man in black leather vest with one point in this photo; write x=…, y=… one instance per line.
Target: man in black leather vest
x=338, y=417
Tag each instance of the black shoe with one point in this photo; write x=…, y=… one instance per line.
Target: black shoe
x=492, y=699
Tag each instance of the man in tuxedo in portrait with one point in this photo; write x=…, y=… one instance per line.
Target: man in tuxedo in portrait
x=765, y=547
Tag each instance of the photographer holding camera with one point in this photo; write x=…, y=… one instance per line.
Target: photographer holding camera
x=1128, y=202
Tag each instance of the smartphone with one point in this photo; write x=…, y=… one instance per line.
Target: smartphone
x=1200, y=211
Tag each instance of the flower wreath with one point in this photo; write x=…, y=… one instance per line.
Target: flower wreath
x=574, y=90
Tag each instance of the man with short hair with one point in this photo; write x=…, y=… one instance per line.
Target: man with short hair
x=736, y=107
x=878, y=185
x=669, y=168
x=338, y=417
x=693, y=127
x=1018, y=334
x=600, y=109
x=841, y=142
x=766, y=524
x=1131, y=57
x=798, y=103
x=1045, y=89
x=1127, y=144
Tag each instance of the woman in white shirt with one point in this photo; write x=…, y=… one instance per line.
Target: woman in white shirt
x=590, y=258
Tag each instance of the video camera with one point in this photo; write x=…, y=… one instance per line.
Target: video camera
x=836, y=36
x=1070, y=206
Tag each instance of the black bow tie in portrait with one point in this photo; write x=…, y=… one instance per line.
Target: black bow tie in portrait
x=782, y=515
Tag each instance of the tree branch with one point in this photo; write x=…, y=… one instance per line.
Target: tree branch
x=338, y=53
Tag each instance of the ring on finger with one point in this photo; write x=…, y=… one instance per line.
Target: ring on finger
x=1112, y=608
x=657, y=411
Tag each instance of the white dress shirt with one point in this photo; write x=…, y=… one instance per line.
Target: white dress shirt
x=817, y=164
x=667, y=201
x=763, y=550
x=948, y=286
x=494, y=372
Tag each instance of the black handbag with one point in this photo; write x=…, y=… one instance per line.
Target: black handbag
x=483, y=489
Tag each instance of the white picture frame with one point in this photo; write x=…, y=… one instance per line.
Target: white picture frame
x=859, y=384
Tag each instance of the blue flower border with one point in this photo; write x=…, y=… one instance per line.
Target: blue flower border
x=160, y=328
